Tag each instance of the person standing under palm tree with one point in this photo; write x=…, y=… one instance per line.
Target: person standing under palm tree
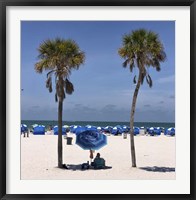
x=141, y=49
x=59, y=57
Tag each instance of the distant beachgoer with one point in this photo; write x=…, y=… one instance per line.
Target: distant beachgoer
x=26, y=133
x=50, y=127
x=98, y=163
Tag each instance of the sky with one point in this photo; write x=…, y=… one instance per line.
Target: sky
x=103, y=89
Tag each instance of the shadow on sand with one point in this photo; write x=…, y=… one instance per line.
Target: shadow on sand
x=158, y=169
x=79, y=167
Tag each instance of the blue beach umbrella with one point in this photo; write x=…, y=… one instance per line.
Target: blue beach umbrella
x=108, y=129
x=117, y=130
x=80, y=129
x=67, y=128
x=125, y=129
x=73, y=128
x=56, y=130
x=91, y=128
x=34, y=125
x=170, y=131
x=91, y=140
x=136, y=130
x=151, y=131
x=120, y=129
x=39, y=130
x=99, y=128
x=158, y=130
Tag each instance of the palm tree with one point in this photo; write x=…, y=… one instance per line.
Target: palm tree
x=140, y=49
x=59, y=57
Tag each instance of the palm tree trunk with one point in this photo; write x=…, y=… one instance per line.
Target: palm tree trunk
x=133, y=157
x=60, y=147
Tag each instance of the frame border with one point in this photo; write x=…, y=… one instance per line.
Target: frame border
x=4, y=4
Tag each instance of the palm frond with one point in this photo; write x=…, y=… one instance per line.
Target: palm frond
x=134, y=79
x=48, y=82
x=56, y=97
x=69, y=88
x=50, y=88
x=126, y=63
x=132, y=65
x=149, y=80
x=162, y=55
x=50, y=73
x=39, y=68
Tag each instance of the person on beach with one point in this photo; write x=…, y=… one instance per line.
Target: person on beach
x=99, y=163
x=50, y=128
x=91, y=155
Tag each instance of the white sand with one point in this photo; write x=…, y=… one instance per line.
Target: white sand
x=157, y=154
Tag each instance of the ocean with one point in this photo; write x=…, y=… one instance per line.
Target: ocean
x=29, y=123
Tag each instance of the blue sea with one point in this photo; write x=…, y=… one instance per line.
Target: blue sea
x=29, y=123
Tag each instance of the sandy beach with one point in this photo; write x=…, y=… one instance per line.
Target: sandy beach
x=155, y=159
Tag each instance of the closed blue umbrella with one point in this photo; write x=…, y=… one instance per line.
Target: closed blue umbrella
x=91, y=140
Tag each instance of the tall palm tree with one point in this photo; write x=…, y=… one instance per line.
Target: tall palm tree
x=59, y=57
x=141, y=49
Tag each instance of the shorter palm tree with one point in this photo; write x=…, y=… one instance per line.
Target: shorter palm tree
x=59, y=57
x=141, y=49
